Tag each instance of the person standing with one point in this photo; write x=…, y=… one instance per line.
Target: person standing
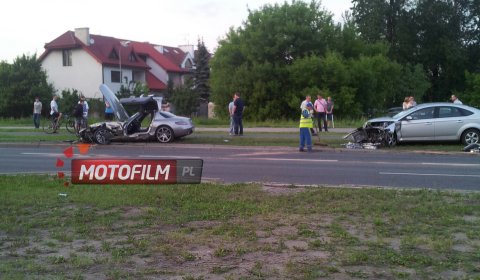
x=320, y=107
x=230, y=112
x=85, y=111
x=238, y=107
x=37, y=111
x=303, y=106
x=306, y=123
x=78, y=114
x=412, y=102
x=455, y=99
x=304, y=103
x=329, y=111
x=108, y=112
x=406, y=103
x=54, y=113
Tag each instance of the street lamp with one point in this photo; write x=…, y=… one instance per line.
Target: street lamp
x=122, y=44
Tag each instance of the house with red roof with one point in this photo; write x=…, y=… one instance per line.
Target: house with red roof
x=82, y=61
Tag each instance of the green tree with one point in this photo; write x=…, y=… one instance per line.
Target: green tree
x=133, y=89
x=185, y=99
x=20, y=82
x=67, y=101
x=254, y=59
x=471, y=95
x=202, y=71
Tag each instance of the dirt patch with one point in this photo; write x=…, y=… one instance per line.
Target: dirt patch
x=281, y=189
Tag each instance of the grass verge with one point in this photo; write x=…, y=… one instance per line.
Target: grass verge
x=234, y=232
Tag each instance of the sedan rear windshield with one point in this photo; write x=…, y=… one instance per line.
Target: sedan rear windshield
x=166, y=115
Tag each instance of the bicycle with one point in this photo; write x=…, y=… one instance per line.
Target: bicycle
x=70, y=124
x=53, y=125
x=72, y=128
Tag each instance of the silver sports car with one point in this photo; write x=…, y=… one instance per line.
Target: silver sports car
x=433, y=122
x=162, y=126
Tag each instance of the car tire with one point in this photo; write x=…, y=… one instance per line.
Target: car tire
x=471, y=136
x=102, y=136
x=164, y=134
x=392, y=140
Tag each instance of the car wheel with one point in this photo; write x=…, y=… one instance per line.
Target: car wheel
x=164, y=134
x=471, y=136
x=391, y=140
x=102, y=136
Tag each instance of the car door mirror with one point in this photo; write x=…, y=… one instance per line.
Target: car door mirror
x=408, y=118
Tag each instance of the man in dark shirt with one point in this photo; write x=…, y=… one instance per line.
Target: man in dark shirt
x=78, y=114
x=238, y=107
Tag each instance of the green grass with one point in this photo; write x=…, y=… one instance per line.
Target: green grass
x=174, y=230
x=205, y=122
x=340, y=123
x=35, y=136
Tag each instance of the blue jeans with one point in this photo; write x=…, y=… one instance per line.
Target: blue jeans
x=305, y=137
x=36, y=120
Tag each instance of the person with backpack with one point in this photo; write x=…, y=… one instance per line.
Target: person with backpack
x=78, y=114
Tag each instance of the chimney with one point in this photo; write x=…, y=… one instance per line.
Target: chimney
x=83, y=34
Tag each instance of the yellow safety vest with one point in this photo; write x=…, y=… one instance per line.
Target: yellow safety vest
x=306, y=122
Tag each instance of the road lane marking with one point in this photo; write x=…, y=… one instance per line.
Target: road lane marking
x=261, y=153
x=61, y=155
x=295, y=159
x=429, y=174
x=43, y=154
x=452, y=164
x=185, y=157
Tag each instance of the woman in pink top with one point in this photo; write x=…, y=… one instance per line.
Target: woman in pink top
x=320, y=107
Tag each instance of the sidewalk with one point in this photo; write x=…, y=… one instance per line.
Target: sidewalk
x=267, y=129
x=226, y=129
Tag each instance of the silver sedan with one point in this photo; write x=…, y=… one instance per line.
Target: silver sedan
x=434, y=122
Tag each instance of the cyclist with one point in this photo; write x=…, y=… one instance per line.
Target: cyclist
x=54, y=113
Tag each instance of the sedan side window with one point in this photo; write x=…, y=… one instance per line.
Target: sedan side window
x=423, y=114
x=449, y=112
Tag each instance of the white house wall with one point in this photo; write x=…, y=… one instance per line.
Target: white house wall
x=107, y=77
x=158, y=71
x=85, y=74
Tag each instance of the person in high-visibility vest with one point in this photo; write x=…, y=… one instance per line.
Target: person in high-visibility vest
x=306, y=123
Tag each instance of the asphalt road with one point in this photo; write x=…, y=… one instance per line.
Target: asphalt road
x=273, y=164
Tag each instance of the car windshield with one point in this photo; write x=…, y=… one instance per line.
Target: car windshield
x=403, y=113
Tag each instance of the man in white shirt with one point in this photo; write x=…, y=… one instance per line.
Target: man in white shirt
x=85, y=111
x=54, y=113
x=230, y=111
x=455, y=100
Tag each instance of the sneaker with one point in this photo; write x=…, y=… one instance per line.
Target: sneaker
x=301, y=150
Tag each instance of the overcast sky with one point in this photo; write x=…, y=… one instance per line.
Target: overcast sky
x=26, y=25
